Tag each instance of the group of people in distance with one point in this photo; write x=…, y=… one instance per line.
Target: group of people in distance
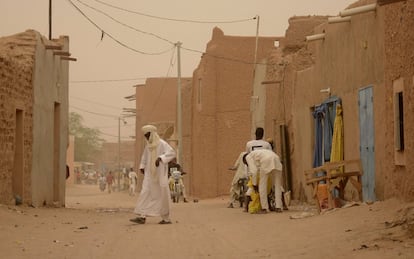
x=263, y=168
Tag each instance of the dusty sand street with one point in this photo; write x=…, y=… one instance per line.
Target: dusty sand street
x=96, y=225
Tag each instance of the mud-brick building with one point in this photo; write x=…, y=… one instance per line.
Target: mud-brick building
x=364, y=61
x=222, y=100
x=33, y=118
x=156, y=104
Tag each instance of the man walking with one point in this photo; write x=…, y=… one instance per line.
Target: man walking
x=154, y=199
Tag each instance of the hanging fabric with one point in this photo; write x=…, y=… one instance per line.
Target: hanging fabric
x=337, y=153
x=324, y=116
x=317, y=155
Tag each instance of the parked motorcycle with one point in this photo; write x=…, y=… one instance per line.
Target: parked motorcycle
x=175, y=186
x=242, y=184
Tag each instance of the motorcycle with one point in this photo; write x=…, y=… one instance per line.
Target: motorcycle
x=102, y=183
x=175, y=186
x=241, y=196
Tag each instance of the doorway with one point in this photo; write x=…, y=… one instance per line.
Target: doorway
x=367, y=151
x=56, y=152
x=18, y=165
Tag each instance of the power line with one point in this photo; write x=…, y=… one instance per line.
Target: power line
x=124, y=24
x=187, y=49
x=89, y=101
x=114, y=39
x=226, y=58
x=172, y=19
x=107, y=80
x=95, y=113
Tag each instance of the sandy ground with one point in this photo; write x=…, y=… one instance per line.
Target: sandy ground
x=96, y=224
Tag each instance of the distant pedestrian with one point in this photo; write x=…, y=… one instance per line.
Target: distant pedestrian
x=109, y=181
x=132, y=175
x=154, y=199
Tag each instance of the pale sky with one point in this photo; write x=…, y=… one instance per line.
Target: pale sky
x=139, y=29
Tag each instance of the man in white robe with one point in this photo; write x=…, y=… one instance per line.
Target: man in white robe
x=266, y=163
x=258, y=143
x=241, y=172
x=154, y=199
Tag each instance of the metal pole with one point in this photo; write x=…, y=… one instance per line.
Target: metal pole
x=50, y=19
x=253, y=104
x=257, y=43
x=179, y=119
x=119, y=154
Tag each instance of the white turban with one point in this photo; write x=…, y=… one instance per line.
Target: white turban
x=148, y=128
x=153, y=142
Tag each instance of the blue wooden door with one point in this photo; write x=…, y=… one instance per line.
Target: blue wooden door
x=367, y=148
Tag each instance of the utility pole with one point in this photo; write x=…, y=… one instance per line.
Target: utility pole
x=119, y=154
x=257, y=43
x=50, y=19
x=253, y=99
x=179, y=119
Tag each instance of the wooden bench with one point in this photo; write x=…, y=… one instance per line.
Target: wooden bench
x=335, y=175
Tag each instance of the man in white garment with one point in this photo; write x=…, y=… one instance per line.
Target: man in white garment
x=258, y=143
x=132, y=175
x=241, y=172
x=266, y=163
x=154, y=199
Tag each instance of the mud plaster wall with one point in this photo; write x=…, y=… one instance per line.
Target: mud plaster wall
x=156, y=103
x=399, y=56
x=50, y=84
x=16, y=69
x=292, y=55
x=350, y=58
x=33, y=80
x=221, y=116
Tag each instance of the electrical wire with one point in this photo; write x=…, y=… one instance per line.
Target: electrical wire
x=172, y=19
x=95, y=113
x=126, y=25
x=172, y=62
x=184, y=48
x=113, y=38
x=89, y=101
x=225, y=58
x=107, y=80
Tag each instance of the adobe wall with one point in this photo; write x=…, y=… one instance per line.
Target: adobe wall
x=221, y=122
x=50, y=86
x=292, y=55
x=33, y=80
x=350, y=58
x=399, y=65
x=107, y=159
x=16, y=69
x=156, y=103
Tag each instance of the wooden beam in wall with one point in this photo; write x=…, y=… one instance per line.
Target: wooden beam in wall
x=384, y=2
x=57, y=47
x=68, y=58
x=61, y=53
